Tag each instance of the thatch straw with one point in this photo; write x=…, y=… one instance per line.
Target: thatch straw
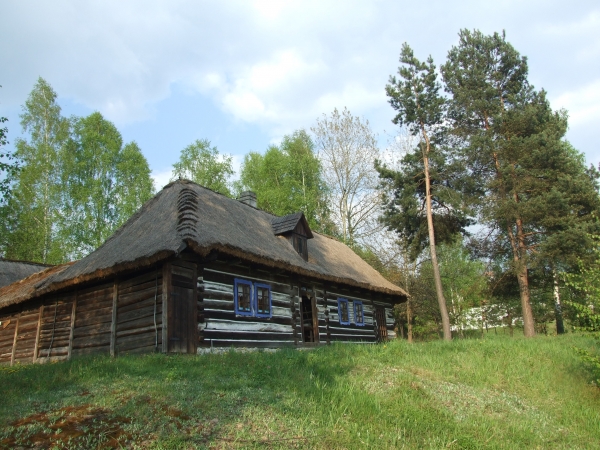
x=12, y=270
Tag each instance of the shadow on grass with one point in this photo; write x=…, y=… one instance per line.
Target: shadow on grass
x=160, y=401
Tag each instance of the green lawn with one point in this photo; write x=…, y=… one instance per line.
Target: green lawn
x=497, y=392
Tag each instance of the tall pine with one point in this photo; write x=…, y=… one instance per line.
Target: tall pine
x=415, y=96
x=528, y=184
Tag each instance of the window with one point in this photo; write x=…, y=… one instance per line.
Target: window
x=243, y=294
x=252, y=299
x=359, y=317
x=263, y=300
x=343, y=312
x=300, y=245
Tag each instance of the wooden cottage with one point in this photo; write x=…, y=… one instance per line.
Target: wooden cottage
x=193, y=270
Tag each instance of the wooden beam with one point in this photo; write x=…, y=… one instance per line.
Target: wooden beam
x=73, y=312
x=37, y=334
x=195, y=336
x=14, y=347
x=315, y=312
x=327, y=330
x=166, y=288
x=113, y=325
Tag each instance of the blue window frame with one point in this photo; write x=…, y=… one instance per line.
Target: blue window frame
x=262, y=299
x=343, y=312
x=252, y=299
x=243, y=297
x=359, y=316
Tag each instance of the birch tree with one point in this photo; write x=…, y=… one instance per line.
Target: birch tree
x=347, y=148
x=288, y=178
x=33, y=209
x=105, y=182
x=203, y=164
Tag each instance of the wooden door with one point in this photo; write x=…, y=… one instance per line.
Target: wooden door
x=380, y=324
x=182, y=315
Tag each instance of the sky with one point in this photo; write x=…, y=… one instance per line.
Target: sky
x=242, y=74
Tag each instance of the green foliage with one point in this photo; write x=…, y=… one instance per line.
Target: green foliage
x=415, y=95
x=104, y=183
x=288, y=179
x=76, y=184
x=585, y=305
x=464, y=283
x=204, y=165
x=461, y=394
x=404, y=201
x=8, y=170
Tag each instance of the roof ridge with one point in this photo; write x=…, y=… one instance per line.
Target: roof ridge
x=22, y=261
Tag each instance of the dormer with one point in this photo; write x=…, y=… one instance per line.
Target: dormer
x=295, y=228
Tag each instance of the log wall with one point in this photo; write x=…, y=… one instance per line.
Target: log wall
x=121, y=316
x=218, y=324
x=126, y=315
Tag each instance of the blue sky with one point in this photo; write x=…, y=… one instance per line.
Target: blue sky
x=244, y=73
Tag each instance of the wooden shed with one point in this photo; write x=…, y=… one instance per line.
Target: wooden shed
x=194, y=270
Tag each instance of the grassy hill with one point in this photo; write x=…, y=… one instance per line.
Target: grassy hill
x=497, y=392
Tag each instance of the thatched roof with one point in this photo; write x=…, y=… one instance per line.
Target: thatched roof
x=185, y=214
x=28, y=287
x=11, y=270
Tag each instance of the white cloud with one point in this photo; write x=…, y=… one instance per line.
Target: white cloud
x=262, y=91
x=583, y=104
x=278, y=65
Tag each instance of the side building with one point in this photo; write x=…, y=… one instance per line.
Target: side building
x=194, y=270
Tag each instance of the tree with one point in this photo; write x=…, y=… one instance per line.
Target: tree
x=8, y=170
x=105, y=183
x=348, y=149
x=523, y=180
x=464, y=284
x=415, y=95
x=288, y=179
x=204, y=165
x=33, y=208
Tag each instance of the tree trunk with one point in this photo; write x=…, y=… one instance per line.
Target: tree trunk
x=560, y=327
x=409, y=320
x=434, y=261
x=523, y=277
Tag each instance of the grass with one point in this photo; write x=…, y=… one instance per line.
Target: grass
x=497, y=392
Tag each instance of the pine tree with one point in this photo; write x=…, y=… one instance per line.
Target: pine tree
x=526, y=182
x=415, y=95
